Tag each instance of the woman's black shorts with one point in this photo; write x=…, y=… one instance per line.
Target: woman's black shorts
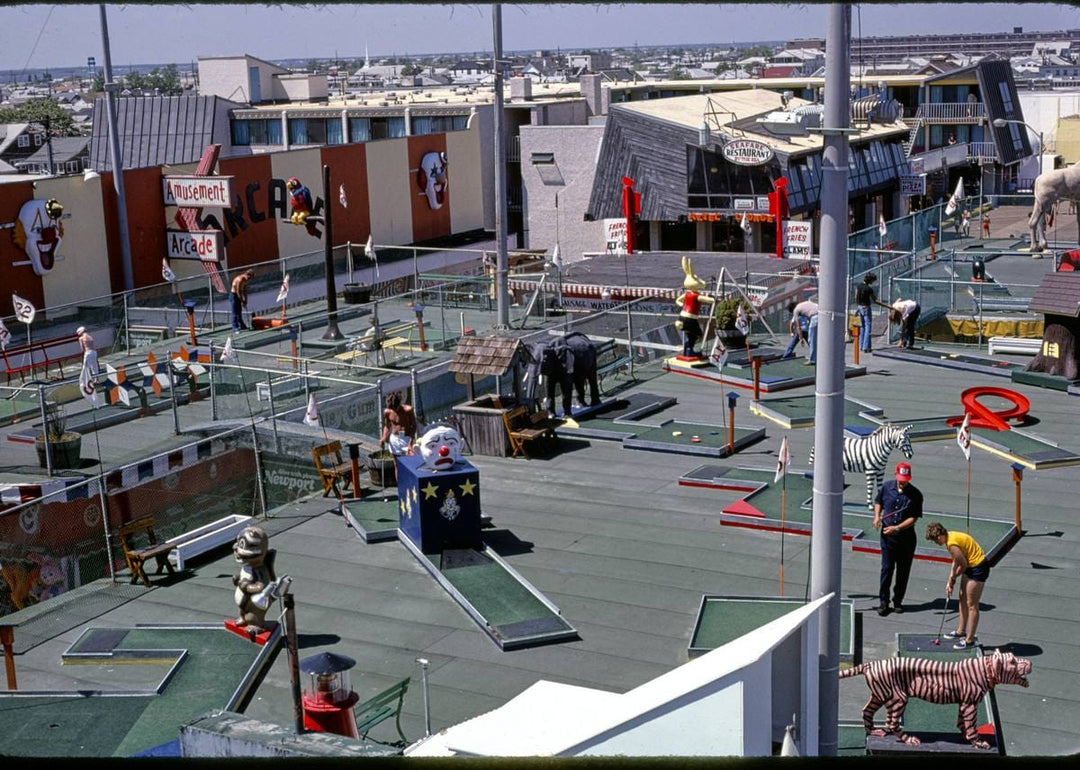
x=979, y=572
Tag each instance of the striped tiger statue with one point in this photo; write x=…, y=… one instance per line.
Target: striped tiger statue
x=893, y=680
x=870, y=455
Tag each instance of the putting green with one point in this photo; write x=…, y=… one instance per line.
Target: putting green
x=723, y=619
x=373, y=519
x=798, y=411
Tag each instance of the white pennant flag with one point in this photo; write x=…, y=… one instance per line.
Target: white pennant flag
x=782, y=461
x=5, y=335
x=369, y=252
x=166, y=271
x=311, y=417
x=24, y=309
x=742, y=323
x=86, y=386
x=881, y=228
x=719, y=353
x=228, y=353
x=957, y=196
x=556, y=258
x=283, y=292
x=963, y=436
x=745, y=224
x=341, y=197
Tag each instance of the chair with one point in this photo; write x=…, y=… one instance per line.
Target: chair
x=521, y=430
x=332, y=468
x=136, y=557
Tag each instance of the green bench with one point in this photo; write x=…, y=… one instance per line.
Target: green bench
x=610, y=359
x=378, y=709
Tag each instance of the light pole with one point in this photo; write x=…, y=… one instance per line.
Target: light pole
x=1002, y=122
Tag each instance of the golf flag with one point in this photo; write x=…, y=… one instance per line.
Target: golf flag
x=719, y=354
x=283, y=292
x=228, y=354
x=5, y=335
x=556, y=258
x=311, y=417
x=745, y=224
x=24, y=309
x=166, y=271
x=957, y=196
x=881, y=228
x=86, y=386
x=963, y=436
x=341, y=197
x=782, y=461
x=742, y=323
x=369, y=252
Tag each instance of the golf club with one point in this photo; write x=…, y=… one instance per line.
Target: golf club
x=937, y=639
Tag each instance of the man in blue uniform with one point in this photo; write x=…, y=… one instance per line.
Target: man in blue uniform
x=897, y=507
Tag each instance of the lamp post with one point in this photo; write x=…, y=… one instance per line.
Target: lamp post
x=1002, y=122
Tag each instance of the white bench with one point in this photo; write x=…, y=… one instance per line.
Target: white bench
x=207, y=537
x=1023, y=345
x=282, y=386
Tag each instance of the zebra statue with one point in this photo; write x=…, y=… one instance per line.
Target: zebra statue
x=870, y=455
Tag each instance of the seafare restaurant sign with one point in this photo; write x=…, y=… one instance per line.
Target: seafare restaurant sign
x=204, y=245
x=747, y=152
x=197, y=191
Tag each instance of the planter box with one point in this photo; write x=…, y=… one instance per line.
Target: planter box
x=283, y=386
x=207, y=537
x=356, y=293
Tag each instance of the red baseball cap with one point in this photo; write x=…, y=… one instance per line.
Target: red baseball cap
x=903, y=472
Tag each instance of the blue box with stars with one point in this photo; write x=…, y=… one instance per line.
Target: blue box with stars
x=439, y=509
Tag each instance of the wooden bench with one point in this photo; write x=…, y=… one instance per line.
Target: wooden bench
x=376, y=710
x=392, y=335
x=26, y=358
x=137, y=557
x=1023, y=345
x=611, y=358
x=523, y=428
x=206, y=538
x=332, y=468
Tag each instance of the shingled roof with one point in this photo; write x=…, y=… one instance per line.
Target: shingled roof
x=486, y=355
x=1058, y=294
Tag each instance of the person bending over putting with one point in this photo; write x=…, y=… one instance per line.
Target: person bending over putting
x=971, y=566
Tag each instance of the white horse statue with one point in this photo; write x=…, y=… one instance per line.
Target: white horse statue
x=1050, y=187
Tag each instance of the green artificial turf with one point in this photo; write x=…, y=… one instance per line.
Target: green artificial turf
x=723, y=620
x=495, y=594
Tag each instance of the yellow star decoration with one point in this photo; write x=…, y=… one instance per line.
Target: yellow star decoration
x=412, y=496
x=430, y=491
x=401, y=508
x=467, y=488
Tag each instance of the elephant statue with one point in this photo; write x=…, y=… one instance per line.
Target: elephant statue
x=567, y=362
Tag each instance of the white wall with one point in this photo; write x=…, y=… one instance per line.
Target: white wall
x=1042, y=110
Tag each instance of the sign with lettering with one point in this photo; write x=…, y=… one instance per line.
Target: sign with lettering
x=912, y=184
x=614, y=235
x=747, y=152
x=798, y=239
x=198, y=191
x=203, y=245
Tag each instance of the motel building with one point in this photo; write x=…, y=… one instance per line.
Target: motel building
x=702, y=163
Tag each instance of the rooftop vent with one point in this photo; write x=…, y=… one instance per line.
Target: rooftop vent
x=783, y=124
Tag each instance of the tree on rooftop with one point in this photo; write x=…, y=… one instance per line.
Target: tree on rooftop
x=42, y=112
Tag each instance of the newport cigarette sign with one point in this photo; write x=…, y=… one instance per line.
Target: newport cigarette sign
x=203, y=245
x=747, y=152
x=198, y=191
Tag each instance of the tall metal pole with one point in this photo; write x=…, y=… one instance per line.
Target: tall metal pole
x=829, y=387
x=502, y=304
x=115, y=157
x=332, y=330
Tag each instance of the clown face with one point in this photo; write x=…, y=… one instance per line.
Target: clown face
x=38, y=235
x=441, y=448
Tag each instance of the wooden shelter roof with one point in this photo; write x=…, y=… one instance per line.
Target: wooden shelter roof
x=486, y=355
x=1058, y=294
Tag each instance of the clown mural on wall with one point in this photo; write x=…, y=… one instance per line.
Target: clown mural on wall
x=431, y=178
x=38, y=232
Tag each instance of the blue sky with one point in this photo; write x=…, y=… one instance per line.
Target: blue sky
x=42, y=35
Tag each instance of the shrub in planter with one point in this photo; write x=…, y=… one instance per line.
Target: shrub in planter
x=64, y=446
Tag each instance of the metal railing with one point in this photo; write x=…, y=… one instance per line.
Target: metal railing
x=951, y=112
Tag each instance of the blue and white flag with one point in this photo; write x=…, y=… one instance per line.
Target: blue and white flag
x=954, y=200
x=782, y=461
x=719, y=354
x=370, y=253
x=341, y=197
x=963, y=436
x=24, y=309
x=86, y=386
x=5, y=335
x=228, y=354
x=283, y=292
x=166, y=271
x=742, y=323
x=311, y=417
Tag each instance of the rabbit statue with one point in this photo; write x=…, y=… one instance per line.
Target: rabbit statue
x=689, y=303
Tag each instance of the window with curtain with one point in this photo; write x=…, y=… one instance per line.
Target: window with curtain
x=241, y=132
x=273, y=132
x=422, y=125
x=395, y=127
x=359, y=130
x=334, y=134
x=298, y=131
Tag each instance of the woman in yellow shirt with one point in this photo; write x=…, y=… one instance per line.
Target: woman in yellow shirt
x=969, y=563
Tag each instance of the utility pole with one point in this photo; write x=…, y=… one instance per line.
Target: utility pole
x=332, y=330
x=828, y=503
x=117, y=160
x=502, y=305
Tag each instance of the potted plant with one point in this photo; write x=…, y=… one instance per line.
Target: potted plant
x=382, y=468
x=64, y=446
x=727, y=310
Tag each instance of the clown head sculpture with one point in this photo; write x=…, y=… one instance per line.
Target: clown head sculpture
x=440, y=448
x=38, y=232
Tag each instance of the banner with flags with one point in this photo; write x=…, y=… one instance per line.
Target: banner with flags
x=341, y=197
x=963, y=436
x=719, y=354
x=311, y=417
x=166, y=271
x=228, y=353
x=24, y=309
x=369, y=252
x=881, y=227
x=954, y=200
x=782, y=461
x=283, y=292
x=5, y=335
x=86, y=386
x=742, y=323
